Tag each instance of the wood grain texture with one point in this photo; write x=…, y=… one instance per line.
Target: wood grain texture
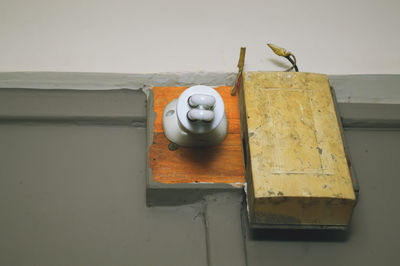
x=297, y=169
x=219, y=164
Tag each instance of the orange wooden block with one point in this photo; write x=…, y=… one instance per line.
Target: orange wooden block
x=219, y=164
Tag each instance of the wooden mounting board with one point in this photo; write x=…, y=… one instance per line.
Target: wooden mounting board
x=219, y=164
x=296, y=166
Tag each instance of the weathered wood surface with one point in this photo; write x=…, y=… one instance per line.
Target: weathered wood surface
x=296, y=165
x=219, y=164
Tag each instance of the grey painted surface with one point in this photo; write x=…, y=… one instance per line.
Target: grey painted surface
x=374, y=233
x=74, y=194
x=108, y=81
x=349, y=88
x=366, y=88
x=224, y=229
x=116, y=107
x=367, y=115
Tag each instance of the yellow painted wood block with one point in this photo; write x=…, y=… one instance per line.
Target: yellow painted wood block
x=295, y=164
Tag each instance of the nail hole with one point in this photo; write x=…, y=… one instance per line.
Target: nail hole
x=172, y=146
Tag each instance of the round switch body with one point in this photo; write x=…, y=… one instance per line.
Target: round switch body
x=196, y=118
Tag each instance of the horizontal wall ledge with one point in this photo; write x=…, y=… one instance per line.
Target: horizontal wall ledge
x=109, y=81
x=364, y=115
x=116, y=107
x=349, y=88
x=365, y=101
x=380, y=89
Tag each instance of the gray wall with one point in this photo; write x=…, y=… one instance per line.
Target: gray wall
x=72, y=192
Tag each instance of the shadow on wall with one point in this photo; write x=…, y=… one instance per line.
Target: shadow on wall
x=303, y=235
x=299, y=235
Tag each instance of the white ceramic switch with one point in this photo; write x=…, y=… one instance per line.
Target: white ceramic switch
x=196, y=118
